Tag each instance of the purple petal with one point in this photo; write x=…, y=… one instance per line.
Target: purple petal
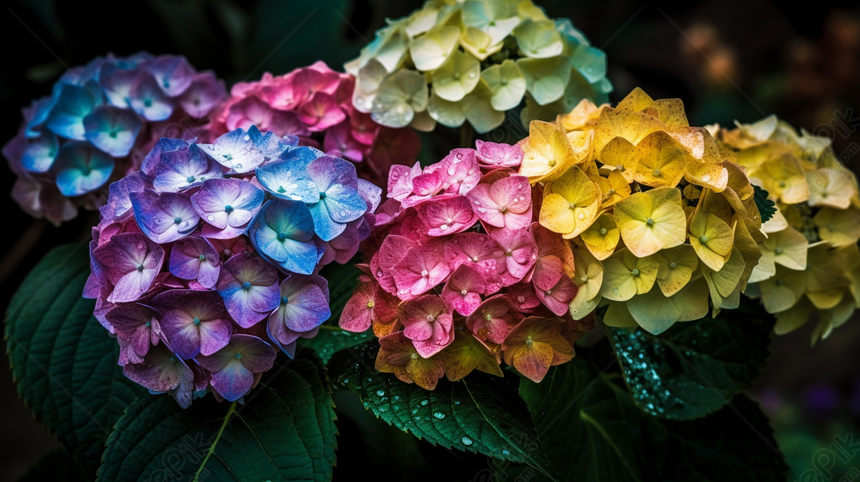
x=164, y=217
x=195, y=258
x=223, y=202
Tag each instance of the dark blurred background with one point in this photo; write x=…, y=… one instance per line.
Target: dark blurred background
x=727, y=59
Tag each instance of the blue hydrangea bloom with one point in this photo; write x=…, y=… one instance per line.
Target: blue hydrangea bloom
x=107, y=104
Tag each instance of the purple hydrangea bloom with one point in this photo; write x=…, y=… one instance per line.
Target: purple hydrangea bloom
x=98, y=124
x=193, y=252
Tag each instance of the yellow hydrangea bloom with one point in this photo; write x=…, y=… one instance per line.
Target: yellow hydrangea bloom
x=810, y=258
x=653, y=255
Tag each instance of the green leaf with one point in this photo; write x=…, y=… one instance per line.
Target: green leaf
x=593, y=431
x=695, y=368
x=284, y=431
x=480, y=414
x=57, y=466
x=342, y=279
x=584, y=422
x=766, y=207
x=64, y=361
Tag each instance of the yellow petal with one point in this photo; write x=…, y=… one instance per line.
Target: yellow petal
x=839, y=227
x=824, y=300
x=788, y=248
x=625, y=275
x=654, y=312
x=676, y=268
x=652, y=220
x=712, y=239
x=783, y=177
x=571, y=203
x=825, y=268
x=602, y=237
x=632, y=126
x=790, y=320
x=671, y=112
x=582, y=117
x=580, y=306
x=710, y=175
x=618, y=316
x=693, y=300
x=765, y=268
x=776, y=223
x=832, y=187
x=662, y=162
x=622, y=155
x=588, y=273
x=726, y=280
x=748, y=248
x=783, y=290
x=635, y=101
x=547, y=154
x=613, y=188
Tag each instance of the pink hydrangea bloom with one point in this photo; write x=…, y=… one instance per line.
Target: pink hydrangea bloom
x=315, y=104
x=457, y=247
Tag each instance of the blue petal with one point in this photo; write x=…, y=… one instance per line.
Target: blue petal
x=302, y=156
x=326, y=228
x=269, y=144
x=235, y=150
x=82, y=169
x=112, y=130
x=172, y=73
x=40, y=153
x=73, y=104
x=118, y=86
x=39, y=110
x=288, y=180
x=165, y=144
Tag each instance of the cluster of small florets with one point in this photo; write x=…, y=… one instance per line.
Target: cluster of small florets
x=314, y=103
x=459, y=275
x=661, y=220
x=207, y=259
x=810, y=260
x=99, y=123
x=456, y=62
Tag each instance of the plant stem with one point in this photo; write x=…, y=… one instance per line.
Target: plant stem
x=331, y=328
x=467, y=135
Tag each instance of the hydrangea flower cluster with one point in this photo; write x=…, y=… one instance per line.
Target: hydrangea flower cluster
x=99, y=122
x=661, y=219
x=459, y=275
x=314, y=103
x=206, y=261
x=453, y=62
x=810, y=260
